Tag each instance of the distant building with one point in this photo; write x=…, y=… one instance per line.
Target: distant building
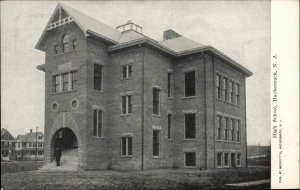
x=7, y=145
x=30, y=144
x=115, y=98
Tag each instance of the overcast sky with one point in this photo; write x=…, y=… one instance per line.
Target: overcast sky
x=240, y=29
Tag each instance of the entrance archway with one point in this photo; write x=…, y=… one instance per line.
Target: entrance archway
x=66, y=140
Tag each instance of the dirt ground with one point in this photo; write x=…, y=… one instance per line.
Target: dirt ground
x=152, y=179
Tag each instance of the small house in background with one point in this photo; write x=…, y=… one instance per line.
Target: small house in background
x=30, y=145
x=7, y=145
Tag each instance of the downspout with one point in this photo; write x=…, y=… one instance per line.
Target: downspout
x=214, y=109
x=205, y=112
x=143, y=100
x=245, y=124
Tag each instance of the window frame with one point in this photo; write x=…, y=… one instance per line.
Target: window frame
x=232, y=128
x=238, y=130
x=127, y=146
x=237, y=94
x=185, y=86
x=226, y=129
x=185, y=160
x=238, y=159
x=159, y=143
x=169, y=126
x=128, y=98
x=221, y=160
x=195, y=132
x=231, y=91
x=228, y=159
x=95, y=81
x=224, y=89
x=56, y=82
x=218, y=86
x=128, y=71
x=170, y=76
x=66, y=43
x=74, y=80
x=98, y=111
x=156, y=102
x=65, y=83
x=219, y=127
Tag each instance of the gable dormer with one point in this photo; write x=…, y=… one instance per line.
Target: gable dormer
x=64, y=15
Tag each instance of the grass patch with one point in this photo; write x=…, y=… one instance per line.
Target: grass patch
x=12, y=167
x=151, y=179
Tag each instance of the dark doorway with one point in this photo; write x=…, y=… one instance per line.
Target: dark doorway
x=65, y=139
x=233, y=160
x=67, y=142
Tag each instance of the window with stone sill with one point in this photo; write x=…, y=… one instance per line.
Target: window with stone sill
x=156, y=143
x=127, y=71
x=126, y=146
x=190, y=159
x=190, y=84
x=97, y=127
x=127, y=105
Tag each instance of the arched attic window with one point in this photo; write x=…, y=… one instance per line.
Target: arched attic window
x=66, y=43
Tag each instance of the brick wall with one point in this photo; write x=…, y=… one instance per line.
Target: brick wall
x=105, y=152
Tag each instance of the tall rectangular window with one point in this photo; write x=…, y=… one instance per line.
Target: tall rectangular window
x=238, y=129
x=218, y=86
x=225, y=97
x=226, y=159
x=98, y=77
x=190, y=126
x=231, y=91
x=226, y=129
x=232, y=129
x=238, y=159
x=74, y=79
x=156, y=143
x=190, y=159
x=127, y=146
x=169, y=83
x=127, y=104
x=156, y=101
x=65, y=77
x=219, y=126
x=169, y=125
x=97, y=130
x=189, y=82
x=55, y=82
x=219, y=159
x=237, y=93
x=127, y=71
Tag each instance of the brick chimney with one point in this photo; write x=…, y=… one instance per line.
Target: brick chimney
x=30, y=130
x=170, y=34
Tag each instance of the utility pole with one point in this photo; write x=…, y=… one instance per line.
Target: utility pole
x=36, y=144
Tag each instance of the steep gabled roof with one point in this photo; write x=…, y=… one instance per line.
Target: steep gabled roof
x=176, y=47
x=3, y=131
x=87, y=24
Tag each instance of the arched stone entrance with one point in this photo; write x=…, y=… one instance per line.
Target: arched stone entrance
x=65, y=134
x=66, y=141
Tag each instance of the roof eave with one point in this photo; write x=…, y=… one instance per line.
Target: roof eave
x=41, y=67
x=245, y=71
x=88, y=32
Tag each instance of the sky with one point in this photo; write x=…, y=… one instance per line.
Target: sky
x=240, y=29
